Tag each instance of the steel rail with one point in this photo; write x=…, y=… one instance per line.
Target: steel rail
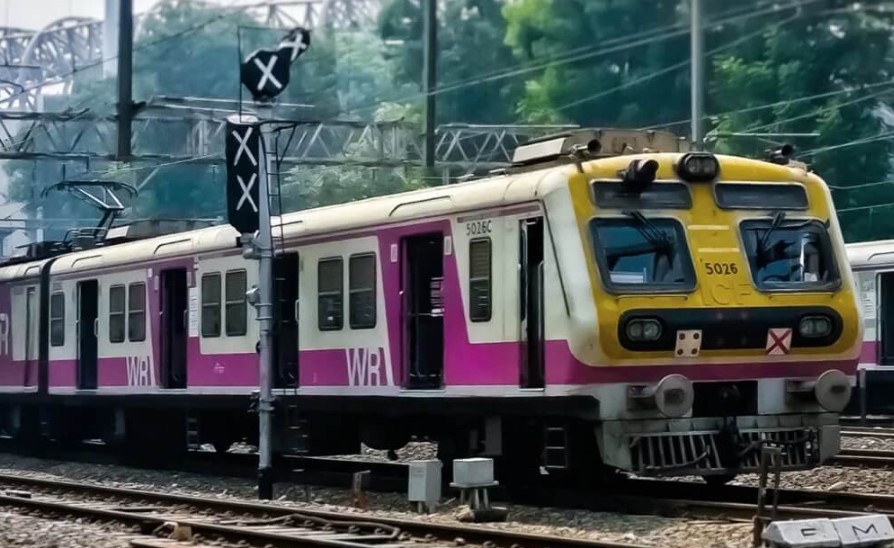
x=866, y=458
x=496, y=538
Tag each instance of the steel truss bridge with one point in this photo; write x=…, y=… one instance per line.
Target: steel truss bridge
x=73, y=142
x=31, y=60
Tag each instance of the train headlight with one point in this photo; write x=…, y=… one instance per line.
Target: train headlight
x=642, y=330
x=815, y=327
x=698, y=167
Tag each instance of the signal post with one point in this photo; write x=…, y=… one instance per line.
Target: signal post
x=250, y=161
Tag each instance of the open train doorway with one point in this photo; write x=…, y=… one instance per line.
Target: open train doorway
x=88, y=316
x=421, y=285
x=531, y=302
x=285, y=347
x=173, y=327
x=886, y=318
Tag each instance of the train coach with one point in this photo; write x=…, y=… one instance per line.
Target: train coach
x=611, y=301
x=873, y=267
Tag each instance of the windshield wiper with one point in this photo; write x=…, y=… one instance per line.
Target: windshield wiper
x=654, y=235
x=762, y=250
x=778, y=217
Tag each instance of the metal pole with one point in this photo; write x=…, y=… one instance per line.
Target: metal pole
x=110, y=39
x=265, y=317
x=697, y=80
x=429, y=77
x=125, y=79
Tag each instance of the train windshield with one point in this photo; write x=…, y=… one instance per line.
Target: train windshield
x=789, y=254
x=638, y=253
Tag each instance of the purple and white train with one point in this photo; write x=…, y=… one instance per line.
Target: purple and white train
x=618, y=310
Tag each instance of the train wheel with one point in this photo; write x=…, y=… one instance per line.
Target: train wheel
x=717, y=480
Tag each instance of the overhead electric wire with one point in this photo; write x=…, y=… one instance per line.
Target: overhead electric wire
x=855, y=142
x=560, y=57
x=588, y=55
x=666, y=70
x=755, y=108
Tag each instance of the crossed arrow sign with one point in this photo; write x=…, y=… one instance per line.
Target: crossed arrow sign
x=246, y=187
x=266, y=72
x=246, y=192
x=243, y=147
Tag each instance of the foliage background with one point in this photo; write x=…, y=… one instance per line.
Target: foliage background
x=782, y=66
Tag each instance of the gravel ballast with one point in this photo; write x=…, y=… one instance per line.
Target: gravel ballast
x=35, y=531
x=652, y=530
x=866, y=442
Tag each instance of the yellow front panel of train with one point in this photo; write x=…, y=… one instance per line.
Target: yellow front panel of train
x=717, y=286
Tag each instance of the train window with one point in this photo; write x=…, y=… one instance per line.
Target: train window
x=362, y=291
x=638, y=254
x=330, y=294
x=116, y=313
x=760, y=196
x=613, y=195
x=237, y=308
x=211, y=305
x=789, y=254
x=480, y=280
x=136, y=312
x=57, y=319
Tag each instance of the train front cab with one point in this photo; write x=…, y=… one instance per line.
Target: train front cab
x=726, y=314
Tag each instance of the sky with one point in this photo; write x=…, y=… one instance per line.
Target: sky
x=36, y=14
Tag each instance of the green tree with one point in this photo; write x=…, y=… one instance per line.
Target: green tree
x=470, y=47
x=826, y=71
x=586, y=77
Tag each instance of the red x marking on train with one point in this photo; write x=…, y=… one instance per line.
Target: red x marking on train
x=779, y=341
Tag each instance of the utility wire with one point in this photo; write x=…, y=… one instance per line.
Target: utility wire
x=667, y=70
x=848, y=144
x=805, y=98
x=588, y=55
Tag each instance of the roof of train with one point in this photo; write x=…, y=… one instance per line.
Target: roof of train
x=482, y=193
x=879, y=252
x=477, y=194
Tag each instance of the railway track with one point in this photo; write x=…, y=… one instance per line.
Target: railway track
x=257, y=523
x=290, y=526
x=867, y=432
x=864, y=458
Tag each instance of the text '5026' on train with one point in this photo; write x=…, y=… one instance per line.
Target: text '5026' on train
x=610, y=301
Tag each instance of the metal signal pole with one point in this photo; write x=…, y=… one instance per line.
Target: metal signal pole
x=697, y=46
x=265, y=311
x=125, y=79
x=429, y=77
x=266, y=74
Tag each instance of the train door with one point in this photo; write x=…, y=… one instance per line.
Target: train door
x=32, y=326
x=285, y=348
x=88, y=324
x=531, y=289
x=421, y=284
x=885, y=284
x=173, y=328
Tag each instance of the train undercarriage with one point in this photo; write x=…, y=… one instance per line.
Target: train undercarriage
x=526, y=446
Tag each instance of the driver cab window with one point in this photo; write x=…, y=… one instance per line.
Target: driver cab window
x=637, y=253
